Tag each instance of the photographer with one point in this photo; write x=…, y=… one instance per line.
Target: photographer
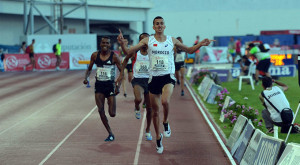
x=275, y=102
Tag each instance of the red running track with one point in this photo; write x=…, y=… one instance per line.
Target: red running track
x=50, y=118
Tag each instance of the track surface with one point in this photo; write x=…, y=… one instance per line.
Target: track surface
x=51, y=118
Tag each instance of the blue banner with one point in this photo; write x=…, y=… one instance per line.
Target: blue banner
x=279, y=71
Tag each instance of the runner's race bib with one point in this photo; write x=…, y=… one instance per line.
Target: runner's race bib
x=180, y=57
x=142, y=67
x=103, y=74
x=160, y=62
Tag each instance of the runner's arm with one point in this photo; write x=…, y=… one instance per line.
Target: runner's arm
x=132, y=49
x=192, y=49
x=89, y=70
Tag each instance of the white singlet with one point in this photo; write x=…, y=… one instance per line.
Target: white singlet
x=161, y=55
x=141, y=66
x=180, y=57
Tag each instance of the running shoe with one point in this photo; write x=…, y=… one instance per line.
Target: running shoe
x=24, y=68
x=182, y=93
x=125, y=94
x=148, y=136
x=178, y=82
x=110, y=138
x=167, y=132
x=159, y=146
x=137, y=114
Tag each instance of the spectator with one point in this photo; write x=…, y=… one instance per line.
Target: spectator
x=197, y=53
x=238, y=47
x=263, y=57
x=23, y=47
x=231, y=50
x=244, y=64
x=30, y=51
x=1, y=54
x=58, y=54
x=275, y=96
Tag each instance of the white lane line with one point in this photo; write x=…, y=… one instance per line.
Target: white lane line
x=59, y=99
x=60, y=143
x=138, y=147
x=212, y=128
x=33, y=91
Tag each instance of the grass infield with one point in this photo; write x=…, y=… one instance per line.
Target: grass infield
x=292, y=94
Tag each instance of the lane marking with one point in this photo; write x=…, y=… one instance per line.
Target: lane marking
x=59, y=99
x=212, y=128
x=60, y=143
x=34, y=91
x=138, y=147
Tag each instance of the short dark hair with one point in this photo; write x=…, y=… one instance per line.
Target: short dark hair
x=179, y=38
x=157, y=17
x=245, y=57
x=251, y=45
x=146, y=34
x=267, y=82
x=105, y=37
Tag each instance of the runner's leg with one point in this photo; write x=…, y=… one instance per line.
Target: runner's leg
x=100, y=98
x=165, y=99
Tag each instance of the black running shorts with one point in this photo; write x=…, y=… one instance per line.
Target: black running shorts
x=263, y=65
x=106, y=88
x=129, y=67
x=179, y=65
x=158, y=82
x=142, y=82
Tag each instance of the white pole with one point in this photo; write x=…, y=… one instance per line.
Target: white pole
x=287, y=136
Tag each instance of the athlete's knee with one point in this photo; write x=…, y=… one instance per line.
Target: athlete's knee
x=164, y=102
x=138, y=100
x=155, y=114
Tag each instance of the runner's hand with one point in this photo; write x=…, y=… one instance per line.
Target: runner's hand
x=119, y=79
x=206, y=42
x=85, y=81
x=117, y=90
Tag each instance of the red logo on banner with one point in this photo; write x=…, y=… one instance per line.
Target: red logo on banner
x=154, y=44
x=76, y=59
x=44, y=61
x=11, y=62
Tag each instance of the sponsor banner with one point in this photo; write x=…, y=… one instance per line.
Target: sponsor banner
x=214, y=55
x=236, y=132
x=80, y=46
x=215, y=89
x=249, y=155
x=75, y=57
x=208, y=88
x=280, y=71
x=223, y=74
x=268, y=151
x=243, y=141
x=16, y=62
x=47, y=61
x=227, y=103
x=203, y=85
x=290, y=155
